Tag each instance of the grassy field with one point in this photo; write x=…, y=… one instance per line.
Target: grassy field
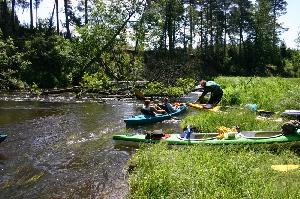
x=213, y=172
x=162, y=171
x=272, y=93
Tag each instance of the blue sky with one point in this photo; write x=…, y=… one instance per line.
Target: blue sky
x=290, y=20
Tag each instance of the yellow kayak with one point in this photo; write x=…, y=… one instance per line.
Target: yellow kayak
x=202, y=107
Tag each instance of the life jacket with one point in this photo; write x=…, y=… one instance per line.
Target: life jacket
x=147, y=111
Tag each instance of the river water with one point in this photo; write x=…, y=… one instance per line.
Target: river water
x=62, y=147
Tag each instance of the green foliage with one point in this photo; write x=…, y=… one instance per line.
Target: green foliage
x=11, y=62
x=102, y=44
x=273, y=93
x=96, y=81
x=51, y=61
x=181, y=87
x=155, y=88
x=213, y=172
x=292, y=65
x=35, y=89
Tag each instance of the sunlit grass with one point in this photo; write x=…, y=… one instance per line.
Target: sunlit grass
x=247, y=120
x=272, y=93
x=212, y=172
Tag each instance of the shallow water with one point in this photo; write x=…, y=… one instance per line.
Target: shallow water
x=62, y=147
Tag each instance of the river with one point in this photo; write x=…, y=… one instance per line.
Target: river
x=61, y=147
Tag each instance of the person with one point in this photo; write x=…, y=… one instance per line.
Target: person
x=150, y=109
x=167, y=106
x=214, y=88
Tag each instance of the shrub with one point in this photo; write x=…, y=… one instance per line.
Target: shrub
x=96, y=81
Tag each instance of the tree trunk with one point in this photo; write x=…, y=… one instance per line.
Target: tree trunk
x=241, y=40
x=36, y=13
x=68, y=35
x=170, y=25
x=51, y=20
x=13, y=5
x=225, y=31
x=201, y=30
x=4, y=17
x=184, y=34
x=191, y=26
x=57, y=17
x=211, y=23
x=274, y=32
x=85, y=12
x=31, y=16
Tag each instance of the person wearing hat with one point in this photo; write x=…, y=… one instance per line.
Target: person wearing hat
x=215, y=90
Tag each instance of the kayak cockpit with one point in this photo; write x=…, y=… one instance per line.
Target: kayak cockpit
x=260, y=134
x=244, y=134
x=199, y=136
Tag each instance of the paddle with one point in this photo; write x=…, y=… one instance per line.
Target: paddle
x=285, y=167
x=139, y=95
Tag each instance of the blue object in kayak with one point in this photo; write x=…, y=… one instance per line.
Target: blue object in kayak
x=146, y=119
x=187, y=132
x=2, y=137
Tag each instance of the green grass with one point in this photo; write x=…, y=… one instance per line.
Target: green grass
x=225, y=171
x=206, y=121
x=272, y=93
x=213, y=172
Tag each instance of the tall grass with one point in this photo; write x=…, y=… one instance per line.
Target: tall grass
x=212, y=172
x=272, y=93
x=245, y=119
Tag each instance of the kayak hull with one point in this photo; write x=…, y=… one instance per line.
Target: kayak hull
x=292, y=114
x=250, y=137
x=146, y=119
x=2, y=137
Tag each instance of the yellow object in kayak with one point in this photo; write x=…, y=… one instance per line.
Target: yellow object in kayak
x=202, y=107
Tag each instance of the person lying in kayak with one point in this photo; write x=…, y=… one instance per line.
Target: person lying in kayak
x=167, y=106
x=214, y=88
x=150, y=109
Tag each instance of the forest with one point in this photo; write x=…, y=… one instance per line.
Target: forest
x=94, y=42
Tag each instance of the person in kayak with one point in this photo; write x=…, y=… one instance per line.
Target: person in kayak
x=215, y=90
x=167, y=106
x=150, y=109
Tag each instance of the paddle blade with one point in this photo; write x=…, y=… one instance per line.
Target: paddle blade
x=139, y=95
x=285, y=167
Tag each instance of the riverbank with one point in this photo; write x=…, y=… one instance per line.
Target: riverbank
x=226, y=171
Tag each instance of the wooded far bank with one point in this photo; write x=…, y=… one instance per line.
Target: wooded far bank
x=161, y=40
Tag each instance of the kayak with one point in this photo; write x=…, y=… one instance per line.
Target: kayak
x=146, y=119
x=246, y=137
x=292, y=114
x=202, y=107
x=2, y=137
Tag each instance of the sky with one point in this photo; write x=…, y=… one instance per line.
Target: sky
x=290, y=20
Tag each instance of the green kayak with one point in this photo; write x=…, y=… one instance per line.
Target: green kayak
x=245, y=137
